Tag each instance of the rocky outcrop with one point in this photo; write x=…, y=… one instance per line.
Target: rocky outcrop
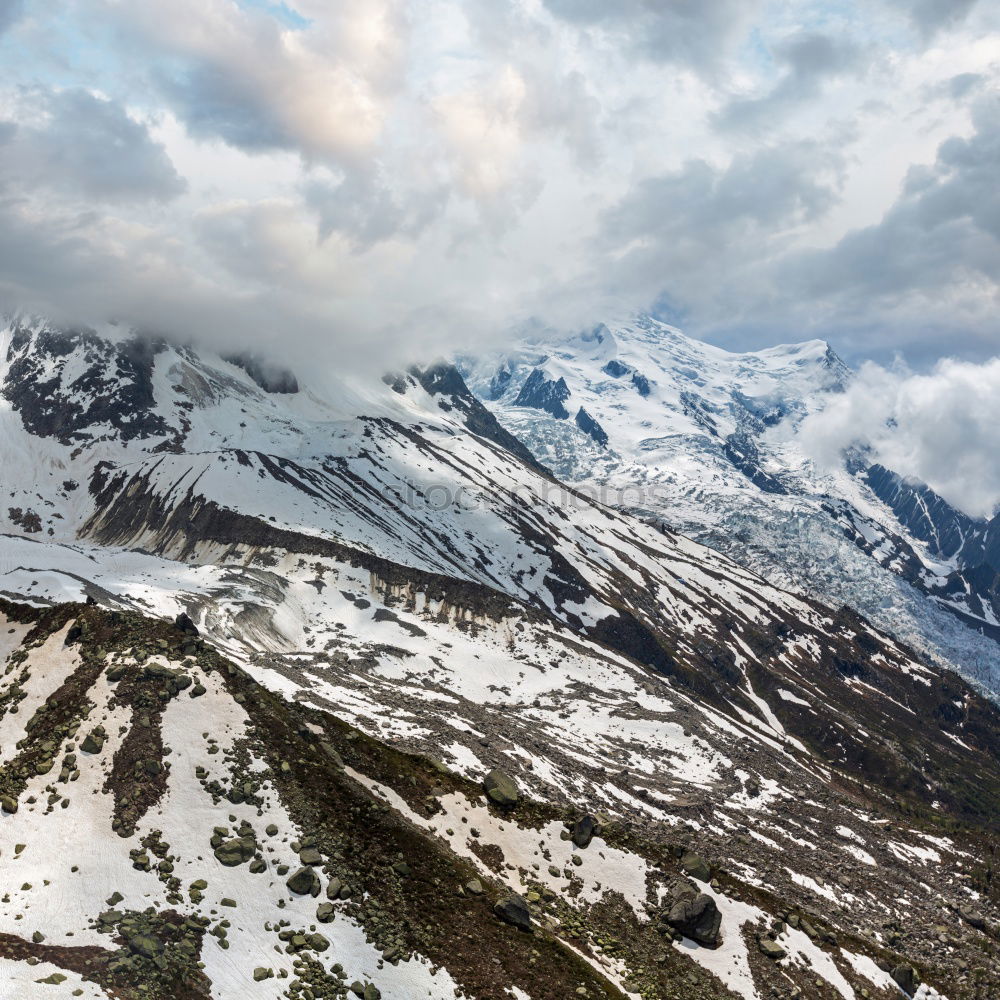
x=542, y=393
x=591, y=427
x=269, y=376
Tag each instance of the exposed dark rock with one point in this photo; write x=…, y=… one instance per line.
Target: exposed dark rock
x=770, y=948
x=542, y=393
x=906, y=978
x=697, y=918
x=446, y=381
x=304, y=881
x=185, y=625
x=513, y=909
x=590, y=426
x=269, y=376
x=235, y=852
x=616, y=368
x=584, y=830
x=696, y=866
x=641, y=384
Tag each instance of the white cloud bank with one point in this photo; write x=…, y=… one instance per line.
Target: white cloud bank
x=383, y=179
x=941, y=428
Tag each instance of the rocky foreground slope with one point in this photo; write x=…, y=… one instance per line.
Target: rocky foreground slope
x=171, y=828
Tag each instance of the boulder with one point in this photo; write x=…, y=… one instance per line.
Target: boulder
x=770, y=948
x=235, y=852
x=696, y=866
x=140, y=943
x=513, y=910
x=584, y=830
x=906, y=978
x=92, y=743
x=697, y=918
x=501, y=788
x=8, y=804
x=184, y=624
x=304, y=882
x=972, y=917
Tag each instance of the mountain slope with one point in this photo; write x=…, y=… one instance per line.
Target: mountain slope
x=367, y=557
x=251, y=846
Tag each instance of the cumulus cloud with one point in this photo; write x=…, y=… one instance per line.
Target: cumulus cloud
x=934, y=257
x=682, y=230
x=390, y=176
x=244, y=76
x=938, y=428
x=82, y=145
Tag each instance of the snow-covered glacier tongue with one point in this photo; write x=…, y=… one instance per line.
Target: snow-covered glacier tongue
x=705, y=441
x=324, y=689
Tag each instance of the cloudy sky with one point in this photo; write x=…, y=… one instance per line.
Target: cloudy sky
x=368, y=174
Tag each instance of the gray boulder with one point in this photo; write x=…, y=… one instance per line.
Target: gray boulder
x=235, y=852
x=697, y=918
x=906, y=978
x=304, y=881
x=501, y=788
x=696, y=866
x=972, y=917
x=584, y=830
x=514, y=910
x=770, y=948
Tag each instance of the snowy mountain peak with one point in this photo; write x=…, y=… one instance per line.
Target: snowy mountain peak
x=706, y=440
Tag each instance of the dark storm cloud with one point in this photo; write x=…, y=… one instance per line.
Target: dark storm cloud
x=940, y=240
x=810, y=60
x=84, y=146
